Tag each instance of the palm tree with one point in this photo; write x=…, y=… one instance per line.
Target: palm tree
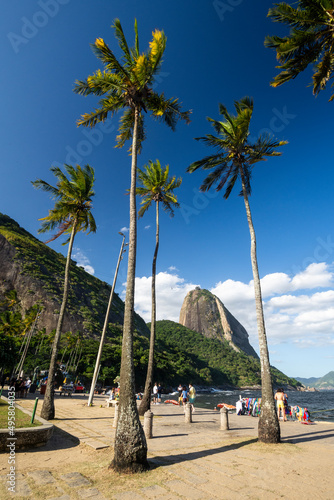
x=158, y=187
x=310, y=41
x=127, y=85
x=71, y=214
x=233, y=160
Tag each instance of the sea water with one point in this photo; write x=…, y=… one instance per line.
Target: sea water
x=315, y=402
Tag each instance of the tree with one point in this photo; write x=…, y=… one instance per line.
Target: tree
x=71, y=214
x=156, y=186
x=310, y=41
x=127, y=85
x=233, y=160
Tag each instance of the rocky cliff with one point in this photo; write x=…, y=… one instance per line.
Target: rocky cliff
x=35, y=272
x=203, y=312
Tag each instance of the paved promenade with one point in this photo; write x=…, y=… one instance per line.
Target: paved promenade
x=188, y=461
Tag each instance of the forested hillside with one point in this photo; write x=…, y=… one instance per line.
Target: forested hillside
x=36, y=273
x=210, y=361
x=30, y=292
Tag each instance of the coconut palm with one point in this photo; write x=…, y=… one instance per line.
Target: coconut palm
x=127, y=85
x=234, y=160
x=310, y=41
x=71, y=214
x=156, y=186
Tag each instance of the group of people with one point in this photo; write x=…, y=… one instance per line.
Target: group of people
x=157, y=391
x=22, y=386
x=187, y=395
x=281, y=404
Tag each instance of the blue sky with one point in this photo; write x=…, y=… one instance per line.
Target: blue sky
x=214, y=53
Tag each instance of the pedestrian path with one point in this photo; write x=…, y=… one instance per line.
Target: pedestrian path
x=187, y=461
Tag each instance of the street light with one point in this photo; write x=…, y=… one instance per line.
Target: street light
x=98, y=359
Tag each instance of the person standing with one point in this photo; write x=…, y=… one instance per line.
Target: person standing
x=155, y=393
x=280, y=397
x=184, y=397
x=180, y=389
x=159, y=393
x=192, y=396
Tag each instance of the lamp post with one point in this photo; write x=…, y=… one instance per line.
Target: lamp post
x=98, y=359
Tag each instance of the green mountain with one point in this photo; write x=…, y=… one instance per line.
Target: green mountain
x=308, y=382
x=31, y=275
x=321, y=384
x=36, y=272
x=326, y=382
x=209, y=361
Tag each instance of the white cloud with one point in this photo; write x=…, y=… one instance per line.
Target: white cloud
x=147, y=227
x=300, y=319
x=170, y=293
x=315, y=275
x=172, y=268
x=124, y=229
x=82, y=260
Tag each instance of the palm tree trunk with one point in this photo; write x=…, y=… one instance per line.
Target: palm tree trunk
x=130, y=448
x=268, y=428
x=48, y=408
x=146, y=401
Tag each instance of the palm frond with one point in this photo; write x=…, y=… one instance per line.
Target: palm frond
x=102, y=52
x=126, y=129
x=207, y=162
x=154, y=184
x=122, y=41
x=233, y=152
x=73, y=201
x=167, y=110
x=322, y=75
x=157, y=48
x=136, y=47
x=309, y=42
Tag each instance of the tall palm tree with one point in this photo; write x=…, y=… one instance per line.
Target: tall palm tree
x=310, y=41
x=71, y=214
x=156, y=186
x=127, y=85
x=234, y=160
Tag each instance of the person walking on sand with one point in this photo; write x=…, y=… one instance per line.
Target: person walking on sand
x=280, y=397
x=192, y=396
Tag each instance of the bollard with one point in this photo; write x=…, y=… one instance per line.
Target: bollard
x=224, y=419
x=188, y=414
x=34, y=411
x=116, y=414
x=148, y=424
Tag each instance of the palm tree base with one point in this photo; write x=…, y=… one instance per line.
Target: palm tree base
x=126, y=468
x=269, y=431
x=130, y=447
x=145, y=405
x=48, y=412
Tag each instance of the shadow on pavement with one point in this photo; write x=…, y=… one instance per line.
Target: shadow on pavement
x=63, y=419
x=310, y=436
x=159, y=461
x=60, y=440
x=169, y=436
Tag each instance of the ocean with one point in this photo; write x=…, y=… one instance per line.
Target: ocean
x=315, y=402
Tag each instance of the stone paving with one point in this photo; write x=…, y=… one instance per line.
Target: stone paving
x=188, y=461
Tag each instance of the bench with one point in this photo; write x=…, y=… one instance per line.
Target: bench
x=66, y=389
x=111, y=402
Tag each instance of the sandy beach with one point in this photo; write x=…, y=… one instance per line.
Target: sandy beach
x=188, y=461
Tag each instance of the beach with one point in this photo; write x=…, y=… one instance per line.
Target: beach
x=187, y=461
